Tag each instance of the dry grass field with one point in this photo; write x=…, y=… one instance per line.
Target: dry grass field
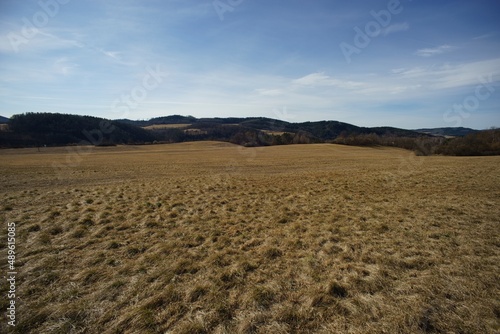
x=213, y=238
x=166, y=126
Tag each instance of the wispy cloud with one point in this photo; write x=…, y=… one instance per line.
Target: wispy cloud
x=321, y=79
x=451, y=76
x=485, y=36
x=64, y=66
x=270, y=92
x=115, y=56
x=313, y=79
x=429, y=52
x=14, y=42
x=35, y=97
x=395, y=28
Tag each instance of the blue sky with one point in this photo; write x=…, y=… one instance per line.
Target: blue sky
x=403, y=63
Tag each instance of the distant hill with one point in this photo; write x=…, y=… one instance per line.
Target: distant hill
x=447, y=132
x=4, y=120
x=37, y=129
x=51, y=129
x=174, y=119
x=263, y=131
x=321, y=130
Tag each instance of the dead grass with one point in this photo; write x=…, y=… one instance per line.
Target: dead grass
x=215, y=238
x=166, y=126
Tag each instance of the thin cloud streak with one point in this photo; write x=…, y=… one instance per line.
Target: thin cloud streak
x=429, y=52
x=396, y=28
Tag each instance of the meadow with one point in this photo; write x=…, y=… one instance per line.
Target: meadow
x=209, y=237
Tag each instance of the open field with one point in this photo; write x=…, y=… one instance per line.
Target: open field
x=165, y=126
x=213, y=238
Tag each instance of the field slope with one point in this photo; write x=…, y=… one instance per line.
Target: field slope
x=209, y=237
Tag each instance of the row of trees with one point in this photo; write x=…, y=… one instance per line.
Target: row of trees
x=474, y=144
x=479, y=143
x=235, y=134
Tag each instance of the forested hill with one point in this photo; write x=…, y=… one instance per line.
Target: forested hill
x=51, y=129
x=323, y=130
x=38, y=129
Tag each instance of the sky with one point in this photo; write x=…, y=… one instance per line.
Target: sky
x=402, y=63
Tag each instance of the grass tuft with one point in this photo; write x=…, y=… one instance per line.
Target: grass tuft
x=337, y=290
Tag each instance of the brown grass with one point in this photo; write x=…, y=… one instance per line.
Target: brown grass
x=166, y=126
x=276, y=133
x=214, y=238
